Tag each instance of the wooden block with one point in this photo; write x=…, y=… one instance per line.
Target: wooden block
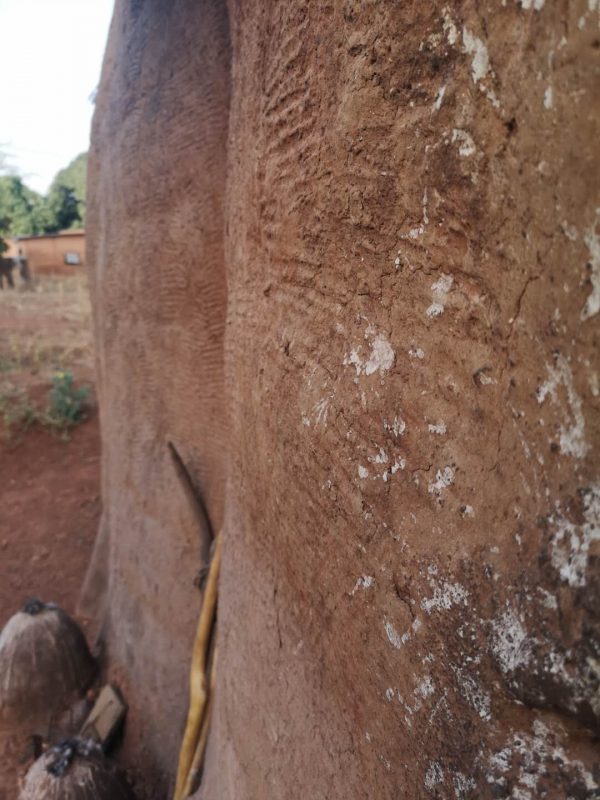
x=105, y=718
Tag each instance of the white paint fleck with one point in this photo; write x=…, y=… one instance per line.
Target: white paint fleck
x=510, y=643
x=484, y=379
x=426, y=688
x=443, y=284
x=389, y=694
x=537, y=5
x=394, y=637
x=439, y=97
x=592, y=241
x=467, y=511
x=570, y=231
x=419, y=230
x=450, y=28
x=439, y=294
x=306, y=421
x=399, y=463
x=434, y=775
x=467, y=145
x=364, y=582
x=480, y=60
x=439, y=428
x=443, y=479
x=363, y=472
x=320, y=411
x=445, y=596
x=549, y=98
x=434, y=310
x=572, y=437
x=380, y=458
x=397, y=426
x=571, y=542
x=548, y=600
x=380, y=359
x=416, y=352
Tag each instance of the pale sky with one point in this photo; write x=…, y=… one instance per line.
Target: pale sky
x=50, y=58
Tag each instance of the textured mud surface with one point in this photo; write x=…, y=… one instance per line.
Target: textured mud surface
x=364, y=305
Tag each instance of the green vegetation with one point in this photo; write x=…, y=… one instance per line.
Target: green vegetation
x=67, y=402
x=66, y=407
x=18, y=412
x=24, y=212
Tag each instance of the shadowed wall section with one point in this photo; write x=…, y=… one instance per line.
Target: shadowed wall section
x=158, y=281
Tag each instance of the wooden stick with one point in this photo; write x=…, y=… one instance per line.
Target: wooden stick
x=198, y=688
x=198, y=761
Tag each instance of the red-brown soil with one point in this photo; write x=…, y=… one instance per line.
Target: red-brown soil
x=49, y=486
x=49, y=495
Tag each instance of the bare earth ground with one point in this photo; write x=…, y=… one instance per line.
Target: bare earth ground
x=49, y=486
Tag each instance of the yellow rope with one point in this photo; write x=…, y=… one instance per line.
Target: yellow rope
x=198, y=688
x=198, y=761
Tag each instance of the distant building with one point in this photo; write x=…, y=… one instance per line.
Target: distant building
x=61, y=253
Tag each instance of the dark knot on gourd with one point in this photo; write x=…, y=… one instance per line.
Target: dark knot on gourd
x=59, y=758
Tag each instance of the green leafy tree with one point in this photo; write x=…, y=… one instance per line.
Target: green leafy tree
x=22, y=210
x=62, y=208
x=67, y=189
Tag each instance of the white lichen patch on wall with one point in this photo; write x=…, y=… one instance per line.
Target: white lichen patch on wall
x=472, y=692
x=528, y=758
x=445, y=596
x=424, y=689
x=511, y=644
x=592, y=241
x=398, y=640
x=439, y=295
x=571, y=542
x=463, y=785
x=379, y=359
x=434, y=775
x=572, y=435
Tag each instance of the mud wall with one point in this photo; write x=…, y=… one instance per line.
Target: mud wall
x=46, y=254
x=159, y=287
x=397, y=429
